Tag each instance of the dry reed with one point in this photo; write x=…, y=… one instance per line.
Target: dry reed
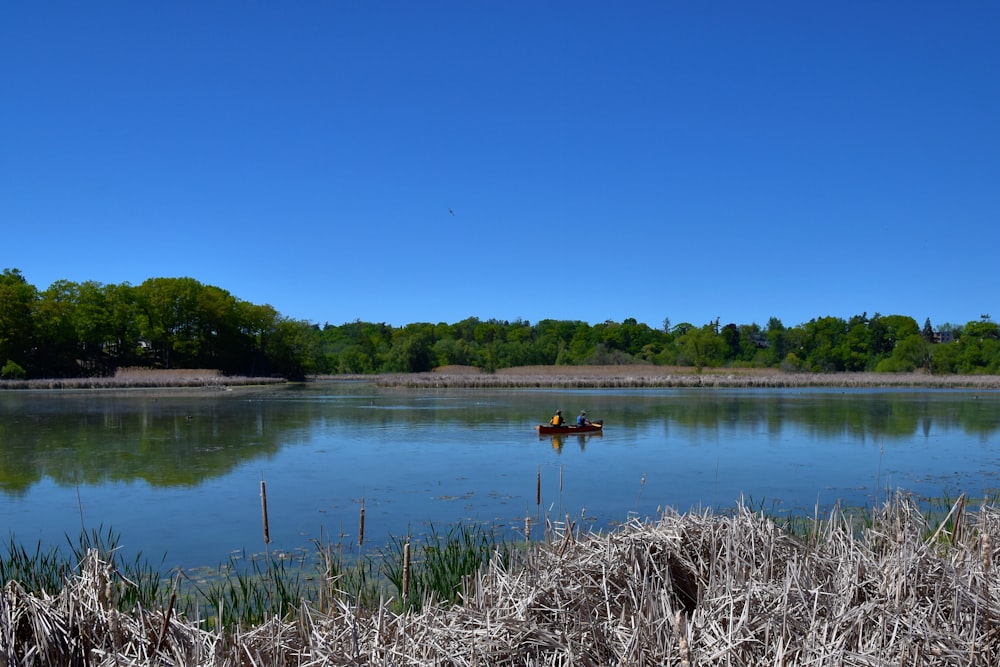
x=361, y=524
x=263, y=512
x=641, y=376
x=699, y=588
x=149, y=378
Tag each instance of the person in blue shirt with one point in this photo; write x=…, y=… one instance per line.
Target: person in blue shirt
x=582, y=419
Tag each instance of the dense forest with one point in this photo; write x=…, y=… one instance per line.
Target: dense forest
x=83, y=329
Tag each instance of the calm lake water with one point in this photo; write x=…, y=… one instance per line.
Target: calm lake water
x=177, y=473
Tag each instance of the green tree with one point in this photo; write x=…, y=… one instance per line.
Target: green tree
x=293, y=349
x=168, y=319
x=888, y=331
x=410, y=351
x=777, y=342
x=448, y=352
x=820, y=341
x=909, y=354
x=55, y=337
x=928, y=331
x=731, y=339
x=257, y=324
x=853, y=347
x=944, y=358
x=702, y=347
x=979, y=348
x=121, y=322
x=12, y=371
x=17, y=305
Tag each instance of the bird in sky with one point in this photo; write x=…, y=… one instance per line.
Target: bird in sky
x=451, y=211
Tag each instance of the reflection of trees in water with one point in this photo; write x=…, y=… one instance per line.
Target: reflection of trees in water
x=182, y=439
x=861, y=417
x=165, y=441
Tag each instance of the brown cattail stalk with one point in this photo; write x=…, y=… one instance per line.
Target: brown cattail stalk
x=956, y=533
x=263, y=509
x=166, y=622
x=987, y=552
x=538, y=487
x=361, y=521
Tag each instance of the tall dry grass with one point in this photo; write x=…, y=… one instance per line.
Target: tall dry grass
x=137, y=378
x=698, y=588
x=641, y=376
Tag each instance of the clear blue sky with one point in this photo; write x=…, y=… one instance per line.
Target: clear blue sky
x=682, y=160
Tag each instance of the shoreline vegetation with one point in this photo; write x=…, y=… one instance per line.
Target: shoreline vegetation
x=642, y=376
x=555, y=377
x=146, y=378
x=883, y=587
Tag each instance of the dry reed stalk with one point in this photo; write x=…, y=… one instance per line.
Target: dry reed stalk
x=698, y=588
x=361, y=524
x=166, y=623
x=956, y=511
x=263, y=512
x=639, y=376
x=986, y=553
x=406, y=572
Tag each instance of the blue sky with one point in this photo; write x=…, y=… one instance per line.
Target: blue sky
x=682, y=160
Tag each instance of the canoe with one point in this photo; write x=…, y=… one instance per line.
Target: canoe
x=546, y=429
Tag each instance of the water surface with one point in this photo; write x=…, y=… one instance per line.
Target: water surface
x=178, y=472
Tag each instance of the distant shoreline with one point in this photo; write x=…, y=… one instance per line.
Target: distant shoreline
x=145, y=378
x=638, y=376
x=549, y=377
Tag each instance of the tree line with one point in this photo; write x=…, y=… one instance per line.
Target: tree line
x=77, y=329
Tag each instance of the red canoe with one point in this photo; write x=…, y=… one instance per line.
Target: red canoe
x=546, y=429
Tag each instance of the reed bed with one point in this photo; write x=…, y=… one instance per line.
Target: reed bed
x=698, y=588
x=639, y=376
x=136, y=378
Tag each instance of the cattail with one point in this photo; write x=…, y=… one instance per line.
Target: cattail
x=263, y=509
x=166, y=622
x=956, y=533
x=406, y=571
x=361, y=522
x=538, y=487
x=987, y=552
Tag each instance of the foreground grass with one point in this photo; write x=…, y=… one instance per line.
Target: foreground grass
x=700, y=588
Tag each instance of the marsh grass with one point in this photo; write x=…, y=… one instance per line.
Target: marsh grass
x=39, y=571
x=442, y=566
x=905, y=582
x=45, y=571
x=247, y=591
x=136, y=378
x=886, y=586
x=640, y=376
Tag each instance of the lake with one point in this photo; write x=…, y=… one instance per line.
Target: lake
x=177, y=473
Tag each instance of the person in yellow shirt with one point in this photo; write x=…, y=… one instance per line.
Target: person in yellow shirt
x=557, y=419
